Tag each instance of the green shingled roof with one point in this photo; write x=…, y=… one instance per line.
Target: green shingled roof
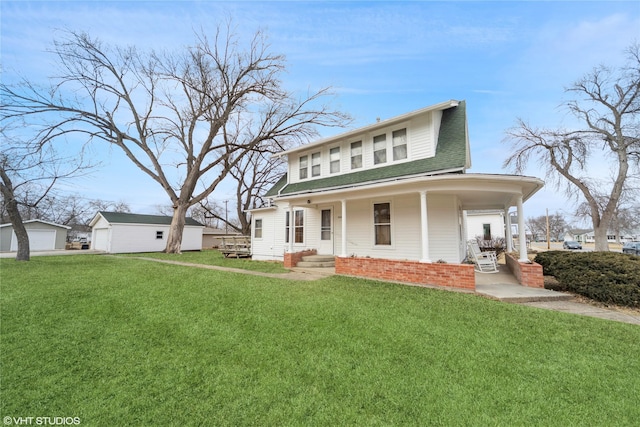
x=129, y=218
x=451, y=154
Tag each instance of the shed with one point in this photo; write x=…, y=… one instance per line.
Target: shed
x=43, y=236
x=117, y=232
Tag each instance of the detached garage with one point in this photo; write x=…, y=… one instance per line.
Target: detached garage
x=43, y=236
x=116, y=232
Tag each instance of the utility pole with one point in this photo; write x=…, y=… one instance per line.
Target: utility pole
x=548, y=240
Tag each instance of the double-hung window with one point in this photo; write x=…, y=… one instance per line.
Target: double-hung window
x=356, y=155
x=382, y=223
x=257, y=229
x=486, y=231
x=298, y=226
x=304, y=164
x=379, y=149
x=334, y=160
x=315, y=164
x=399, y=139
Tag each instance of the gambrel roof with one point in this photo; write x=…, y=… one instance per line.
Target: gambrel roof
x=452, y=156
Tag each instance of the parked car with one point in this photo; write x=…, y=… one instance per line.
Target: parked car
x=570, y=244
x=631, y=248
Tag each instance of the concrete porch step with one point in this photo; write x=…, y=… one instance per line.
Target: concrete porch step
x=317, y=261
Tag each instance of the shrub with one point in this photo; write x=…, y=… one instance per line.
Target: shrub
x=608, y=277
x=496, y=244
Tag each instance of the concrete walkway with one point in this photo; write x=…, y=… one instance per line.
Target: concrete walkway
x=503, y=286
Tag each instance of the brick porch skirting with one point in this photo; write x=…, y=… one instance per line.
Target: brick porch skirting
x=527, y=274
x=448, y=275
x=291, y=259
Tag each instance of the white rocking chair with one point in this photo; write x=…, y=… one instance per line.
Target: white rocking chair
x=485, y=262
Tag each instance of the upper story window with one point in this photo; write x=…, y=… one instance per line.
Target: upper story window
x=379, y=149
x=304, y=164
x=399, y=139
x=356, y=155
x=334, y=160
x=315, y=164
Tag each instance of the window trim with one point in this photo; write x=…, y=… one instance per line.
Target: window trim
x=256, y=228
x=314, y=156
x=375, y=161
x=405, y=145
x=287, y=224
x=351, y=155
x=337, y=161
x=391, y=244
x=305, y=169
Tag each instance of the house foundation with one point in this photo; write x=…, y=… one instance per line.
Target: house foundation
x=421, y=273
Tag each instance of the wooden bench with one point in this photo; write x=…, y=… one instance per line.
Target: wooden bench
x=237, y=246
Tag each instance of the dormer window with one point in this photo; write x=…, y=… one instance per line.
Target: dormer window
x=356, y=155
x=315, y=164
x=334, y=160
x=304, y=165
x=379, y=149
x=399, y=140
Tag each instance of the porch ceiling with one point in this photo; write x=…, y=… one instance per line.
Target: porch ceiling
x=475, y=191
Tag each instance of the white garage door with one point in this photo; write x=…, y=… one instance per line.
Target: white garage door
x=39, y=240
x=102, y=239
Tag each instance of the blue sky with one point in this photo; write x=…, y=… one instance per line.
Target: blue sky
x=506, y=59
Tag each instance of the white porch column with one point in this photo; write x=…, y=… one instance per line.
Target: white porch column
x=424, y=227
x=343, y=251
x=291, y=229
x=507, y=232
x=522, y=232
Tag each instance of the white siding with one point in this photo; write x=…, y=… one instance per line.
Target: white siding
x=475, y=224
x=444, y=229
x=422, y=134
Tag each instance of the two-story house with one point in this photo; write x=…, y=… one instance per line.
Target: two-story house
x=388, y=200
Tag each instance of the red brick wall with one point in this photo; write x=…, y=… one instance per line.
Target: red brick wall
x=527, y=274
x=449, y=275
x=291, y=259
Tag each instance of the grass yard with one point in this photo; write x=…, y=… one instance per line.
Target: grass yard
x=122, y=341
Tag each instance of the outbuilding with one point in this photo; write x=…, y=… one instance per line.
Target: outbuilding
x=43, y=236
x=117, y=232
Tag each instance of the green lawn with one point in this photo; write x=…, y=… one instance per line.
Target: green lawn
x=122, y=341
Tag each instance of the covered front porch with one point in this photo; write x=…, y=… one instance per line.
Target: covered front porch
x=419, y=234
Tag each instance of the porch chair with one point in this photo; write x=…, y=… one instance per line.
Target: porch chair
x=485, y=262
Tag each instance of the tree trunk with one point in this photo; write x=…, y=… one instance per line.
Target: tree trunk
x=174, y=241
x=11, y=205
x=600, y=235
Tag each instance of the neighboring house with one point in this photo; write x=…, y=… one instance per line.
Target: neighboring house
x=116, y=232
x=588, y=236
x=486, y=224
x=43, y=236
x=388, y=200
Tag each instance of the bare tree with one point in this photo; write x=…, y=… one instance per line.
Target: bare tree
x=29, y=172
x=253, y=176
x=608, y=106
x=185, y=119
x=557, y=226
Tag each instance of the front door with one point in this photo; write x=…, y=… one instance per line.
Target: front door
x=326, y=232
